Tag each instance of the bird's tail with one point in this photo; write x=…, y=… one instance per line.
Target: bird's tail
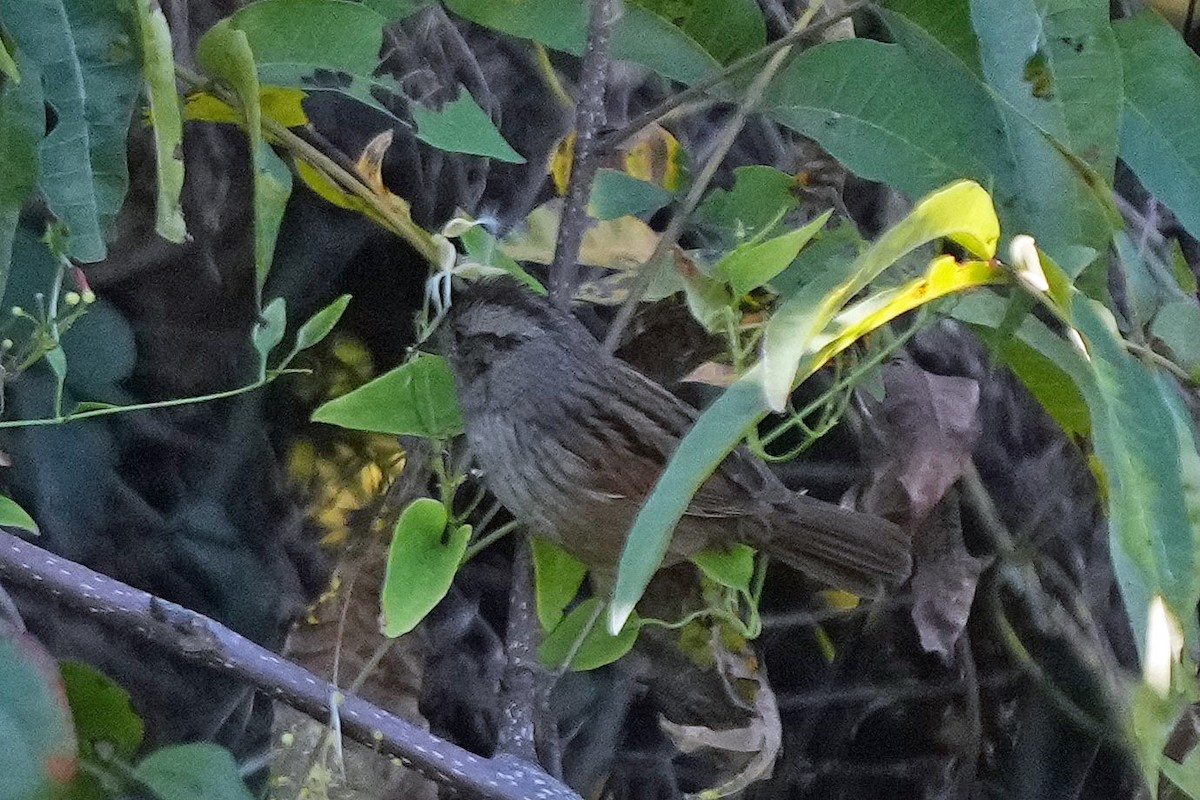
x=846, y=549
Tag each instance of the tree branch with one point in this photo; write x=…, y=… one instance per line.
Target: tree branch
x=201, y=640
x=589, y=116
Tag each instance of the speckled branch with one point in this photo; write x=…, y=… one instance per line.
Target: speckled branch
x=204, y=641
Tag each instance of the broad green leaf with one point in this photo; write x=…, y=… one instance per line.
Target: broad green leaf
x=13, y=516
x=647, y=39
x=225, y=52
x=198, y=771
x=38, y=751
x=727, y=29
x=89, y=71
x=760, y=196
x=754, y=264
x=1054, y=371
x=422, y=560
x=335, y=35
x=1062, y=88
x=832, y=249
x=1177, y=324
x=416, y=398
x=22, y=123
x=396, y=10
x=962, y=212
x=886, y=125
x=104, y=721
x=639, y=35
x=557, y=578
x=947, y=21
x=1064, y=78
x=616, y=194
x=102, y=711
x=599, y=647
x=732, y=567
x=716, y=432
x=461, y=126
x=268, y=332
x=1134, y=432
x=923, y=117
x=1162, y=85
x=158, y=68
x=320, y=324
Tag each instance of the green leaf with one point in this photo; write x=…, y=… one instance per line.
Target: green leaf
x=158, y=68
x=638, y=35
x=83, y=408
x=8, y=67
x=22, y=124
x=557, y=578
x=1055, y=372
x=715, y=434
x=416, y=398
x=335, y=35
x=268, y=332
x=1177, y=324
x=617, y=194
x=732, y=567
x=320, y=324
x=922, y=118
x=962, y=212
x=599, y=647
x=225, y=52
x=37, y=744
x=1065, y=78
x=727, y=29
x=13, y=516
x=1135, y=436
x=198, y=771
x=102, y=711
x=482, y=246
x=461, y=126
x=90, y=76
x=833, y=248
x=1162, y=86
x=422, y=561
x=396, y=10
x=947, y=21
x=760, y=196
x=57, y=360
x=755, y=264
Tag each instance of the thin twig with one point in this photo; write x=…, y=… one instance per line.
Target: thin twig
x=696, y=90
x=589, y=116
x=729, y=133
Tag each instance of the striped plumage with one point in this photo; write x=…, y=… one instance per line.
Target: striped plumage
x=571, y=439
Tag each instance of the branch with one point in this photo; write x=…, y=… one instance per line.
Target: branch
x=589, y=116
x=203, y=641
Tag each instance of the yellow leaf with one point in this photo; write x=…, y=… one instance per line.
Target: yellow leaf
x=280, y=103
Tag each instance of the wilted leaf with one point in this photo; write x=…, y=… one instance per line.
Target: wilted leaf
x=931, y=424
x=944, y=579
